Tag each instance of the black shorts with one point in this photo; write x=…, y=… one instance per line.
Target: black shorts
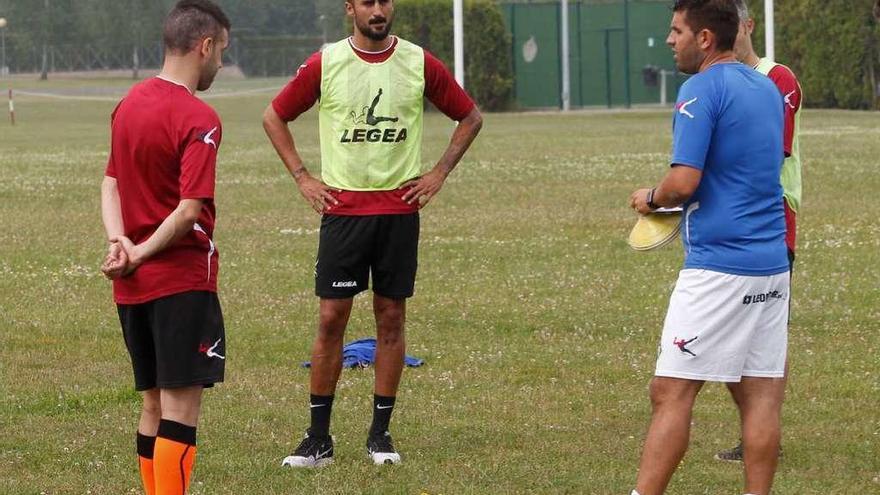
x=352, y=248
x=175, y=341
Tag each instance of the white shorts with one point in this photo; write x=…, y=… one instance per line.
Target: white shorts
x=722, y=327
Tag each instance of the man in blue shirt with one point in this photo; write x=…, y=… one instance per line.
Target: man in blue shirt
x=727, y=317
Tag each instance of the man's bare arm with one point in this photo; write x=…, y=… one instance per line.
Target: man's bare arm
x=677, y=187
x=172, y=229
x=316, y=193
x=111, y=211
x=116, y=261
x=427, y=186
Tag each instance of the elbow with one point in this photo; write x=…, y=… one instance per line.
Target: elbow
x=475, y=120
x=478, y=123
x=680, y=195
x=270, y=118
x=190, y=217
x=108, y=185
x=188, y=212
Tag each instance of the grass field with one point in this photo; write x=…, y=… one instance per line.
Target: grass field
x=539, y=325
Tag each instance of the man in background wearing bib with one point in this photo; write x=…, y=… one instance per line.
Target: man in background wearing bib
x=790, y=88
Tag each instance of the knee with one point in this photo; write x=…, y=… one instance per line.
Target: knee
x=152, y=406
x=182, y=405
x=332, y=324
x=390, y=315
x=664, y=395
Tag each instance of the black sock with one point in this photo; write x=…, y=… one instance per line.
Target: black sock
x=320, y=406
x=177, y=432
x=145, y=445
x=382, y=409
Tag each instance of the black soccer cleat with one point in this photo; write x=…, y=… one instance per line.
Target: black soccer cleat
x=381, y=450
x=735, y=454
x=313, y=452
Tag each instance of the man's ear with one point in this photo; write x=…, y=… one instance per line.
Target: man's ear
x=206, y=47
x=705, y=39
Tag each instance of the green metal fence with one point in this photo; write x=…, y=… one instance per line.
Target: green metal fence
x=613, y=44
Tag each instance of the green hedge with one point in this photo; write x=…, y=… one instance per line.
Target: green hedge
x=832, y=46
x=488, y=68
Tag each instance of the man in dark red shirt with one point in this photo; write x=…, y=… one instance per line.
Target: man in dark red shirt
x=157, y=203
x=370, y=89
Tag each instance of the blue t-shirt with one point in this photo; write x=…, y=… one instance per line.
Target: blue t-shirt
x=728, y=123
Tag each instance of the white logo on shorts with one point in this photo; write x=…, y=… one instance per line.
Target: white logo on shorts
x=210, y=351
x=350, y=283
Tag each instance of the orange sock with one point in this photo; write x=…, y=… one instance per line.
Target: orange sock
x=145, y=448
x=174, y=457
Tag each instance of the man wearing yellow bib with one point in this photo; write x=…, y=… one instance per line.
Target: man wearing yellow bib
x=370, y=89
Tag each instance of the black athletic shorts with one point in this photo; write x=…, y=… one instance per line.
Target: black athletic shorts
x=175, y=341
x=354, y=248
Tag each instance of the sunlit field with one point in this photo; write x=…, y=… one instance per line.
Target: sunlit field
x=538, y=323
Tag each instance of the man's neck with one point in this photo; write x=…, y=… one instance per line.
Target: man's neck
x=752, y=60
x=367, y=44
x=717, y=58
x=179, y=70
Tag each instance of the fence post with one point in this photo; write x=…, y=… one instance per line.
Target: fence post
x=566, y=57
x=11, y=108
x=626, y=74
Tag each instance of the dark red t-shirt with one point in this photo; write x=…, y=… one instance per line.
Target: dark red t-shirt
x=164, y=145
x=788, y=85
x=304, y=90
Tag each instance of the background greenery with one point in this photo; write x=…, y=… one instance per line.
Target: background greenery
x=488, y=71
x=832, y=45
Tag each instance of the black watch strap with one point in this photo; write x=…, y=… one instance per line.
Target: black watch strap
x=651, y=204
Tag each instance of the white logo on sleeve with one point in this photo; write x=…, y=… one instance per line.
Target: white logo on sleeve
x=682, y=107
x=208, y=139
x=788, y=99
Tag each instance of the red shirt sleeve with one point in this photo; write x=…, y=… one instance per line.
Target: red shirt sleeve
x=198, y=165
x=301, y=92
x=788, y=85
x=443, y=91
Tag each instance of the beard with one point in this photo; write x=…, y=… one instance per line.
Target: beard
x=689, y=62
x=368, y=31
x=206, y=79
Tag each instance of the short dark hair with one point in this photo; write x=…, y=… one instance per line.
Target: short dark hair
x=719, y=16
x=191, y=21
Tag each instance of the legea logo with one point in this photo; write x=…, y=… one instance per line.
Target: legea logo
x=368, y=117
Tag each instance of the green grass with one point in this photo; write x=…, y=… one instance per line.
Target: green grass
x=539, y=325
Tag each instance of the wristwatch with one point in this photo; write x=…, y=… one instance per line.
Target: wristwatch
x=650, y=202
